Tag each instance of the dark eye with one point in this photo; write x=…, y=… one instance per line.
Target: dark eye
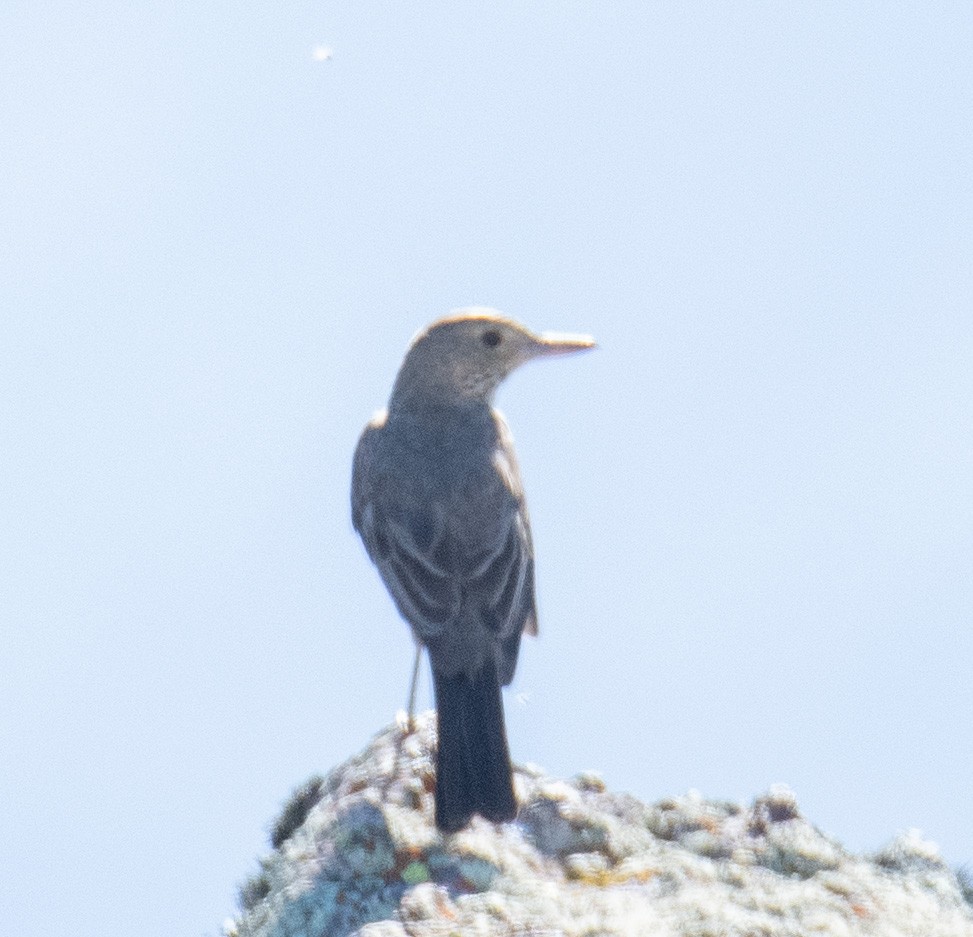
x=492, y=338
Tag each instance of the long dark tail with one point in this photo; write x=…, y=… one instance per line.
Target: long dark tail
x=473, y=773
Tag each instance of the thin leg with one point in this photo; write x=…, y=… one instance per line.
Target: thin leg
x=413, y=686
x=410, y=724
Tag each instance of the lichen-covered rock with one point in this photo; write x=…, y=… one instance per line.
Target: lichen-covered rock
x=357, y=853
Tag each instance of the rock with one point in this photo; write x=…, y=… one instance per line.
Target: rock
x=357, y=853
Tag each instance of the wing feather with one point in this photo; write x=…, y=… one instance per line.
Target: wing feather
x=426, y=562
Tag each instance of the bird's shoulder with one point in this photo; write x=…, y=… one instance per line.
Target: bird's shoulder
x=371, y=435
x=504, y=456
x=366, y=465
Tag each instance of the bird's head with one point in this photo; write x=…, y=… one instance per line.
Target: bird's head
x=465, y=356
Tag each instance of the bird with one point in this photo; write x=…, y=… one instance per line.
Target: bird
x=437, y=500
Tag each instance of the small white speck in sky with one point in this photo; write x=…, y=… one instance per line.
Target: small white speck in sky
x=322, y=53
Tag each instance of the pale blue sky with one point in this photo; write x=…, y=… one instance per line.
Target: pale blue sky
x=753, y=505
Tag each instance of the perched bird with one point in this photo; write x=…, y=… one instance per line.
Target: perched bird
x=437, y=499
